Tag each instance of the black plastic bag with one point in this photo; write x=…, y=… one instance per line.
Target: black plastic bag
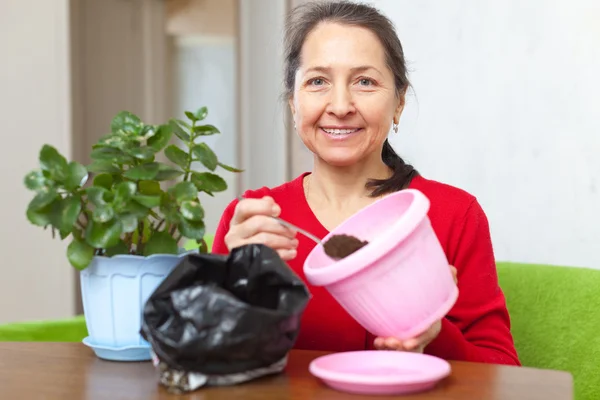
x=230, y=318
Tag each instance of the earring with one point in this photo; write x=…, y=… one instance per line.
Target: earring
x=395, y=128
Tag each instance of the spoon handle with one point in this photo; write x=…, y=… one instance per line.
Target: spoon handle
x=302, y=231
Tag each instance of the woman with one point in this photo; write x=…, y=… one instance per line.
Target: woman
x=346, y=80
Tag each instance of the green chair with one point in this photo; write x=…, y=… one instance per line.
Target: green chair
x=62, y=330
x=555, y=316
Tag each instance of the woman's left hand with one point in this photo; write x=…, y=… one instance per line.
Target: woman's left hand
x=416, y=344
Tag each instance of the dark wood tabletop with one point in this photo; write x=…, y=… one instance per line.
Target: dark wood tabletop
x=48, y=371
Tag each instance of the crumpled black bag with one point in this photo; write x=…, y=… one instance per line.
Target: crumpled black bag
x=220, y=315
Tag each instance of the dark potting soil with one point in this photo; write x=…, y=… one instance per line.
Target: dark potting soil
x=341, y=246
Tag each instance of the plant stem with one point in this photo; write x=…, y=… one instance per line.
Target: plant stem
x=190, y=157
x=159, y=225
x=139, y=246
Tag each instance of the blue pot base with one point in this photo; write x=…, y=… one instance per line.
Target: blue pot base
x=125, y=353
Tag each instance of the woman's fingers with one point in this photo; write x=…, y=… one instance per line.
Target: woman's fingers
x=247, y=208
x=258, y=224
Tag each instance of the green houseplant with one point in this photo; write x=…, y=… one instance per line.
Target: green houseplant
x=125, y=215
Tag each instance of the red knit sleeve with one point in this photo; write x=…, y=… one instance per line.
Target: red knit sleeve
x=478, y=327
x=219, y=246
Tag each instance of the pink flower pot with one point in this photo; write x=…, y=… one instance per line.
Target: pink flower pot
x=400, y=283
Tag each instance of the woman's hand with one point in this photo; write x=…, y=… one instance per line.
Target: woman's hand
x=252, y=223
x=417, y=344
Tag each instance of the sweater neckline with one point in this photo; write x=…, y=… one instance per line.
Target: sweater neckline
x=299, y=186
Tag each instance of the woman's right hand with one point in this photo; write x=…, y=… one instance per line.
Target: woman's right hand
x=252, y=224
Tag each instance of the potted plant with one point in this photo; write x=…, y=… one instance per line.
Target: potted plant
x=125, y=224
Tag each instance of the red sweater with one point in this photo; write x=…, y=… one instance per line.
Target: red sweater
x=478, y=326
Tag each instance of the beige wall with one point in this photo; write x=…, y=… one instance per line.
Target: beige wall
x=37, y=281
x=201, y=17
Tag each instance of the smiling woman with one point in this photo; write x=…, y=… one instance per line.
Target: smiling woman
x=345, y=78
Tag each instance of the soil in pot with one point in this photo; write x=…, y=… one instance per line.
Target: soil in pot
x=341, y=246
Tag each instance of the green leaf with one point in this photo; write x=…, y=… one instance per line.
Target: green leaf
x=110, y=154
x=229, y=168
x=142, y=172
x=179, y=132
x=136, y=209
x=142, y=153
x=40, y=217
x=129, y=222
x=119, y=248
x=201, y=113
x=192, y=210
x=202, y=246
x=76, y=177
x=127, y=122
x=176, y=155
x=53, y=162
x=166, y=172
x=103, y=236
x=192, y=230
x=183, y=191
x=148, y=131
x=149, y=187
x=42, y=199
x=80, y=254
x=207, y=182
x=65, y=213
x=170, y=209
x=35, y=180
x=160, y=243
x=103, y=166
x=123, y=192
x=206, y=156
x=104, y=213
x=104, y=181
x=147, y=201
x=206, y=130
x=191, y=116
x=96, y=195
x=161, y=138
x=182, y=124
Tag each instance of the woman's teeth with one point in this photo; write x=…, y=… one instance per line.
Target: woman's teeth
x=339, y=131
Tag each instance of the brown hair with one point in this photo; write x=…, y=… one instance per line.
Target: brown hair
x=304, y=18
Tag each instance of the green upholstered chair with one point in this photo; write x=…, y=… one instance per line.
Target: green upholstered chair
x=555, y=315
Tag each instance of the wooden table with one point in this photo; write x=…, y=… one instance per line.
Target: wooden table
x=47, y=371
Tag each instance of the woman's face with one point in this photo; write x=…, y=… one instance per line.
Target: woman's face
x=344, y=98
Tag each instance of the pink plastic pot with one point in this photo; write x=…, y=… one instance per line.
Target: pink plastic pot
x=400, y=283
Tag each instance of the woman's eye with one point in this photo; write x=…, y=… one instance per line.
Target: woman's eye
x=366, y=82
x=316, y=82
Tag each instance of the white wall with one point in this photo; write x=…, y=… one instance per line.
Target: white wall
x=263, y=114
x=206, y=76
x=36, y=280
x=508, y=94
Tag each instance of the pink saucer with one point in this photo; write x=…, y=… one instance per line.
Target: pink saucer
x=380, y=372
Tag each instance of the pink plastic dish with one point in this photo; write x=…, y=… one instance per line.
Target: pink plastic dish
x=380, y=372
x=400, y=283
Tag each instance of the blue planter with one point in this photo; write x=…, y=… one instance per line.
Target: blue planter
x=114, y=291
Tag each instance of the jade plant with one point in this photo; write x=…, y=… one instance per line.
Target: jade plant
x=129, y=199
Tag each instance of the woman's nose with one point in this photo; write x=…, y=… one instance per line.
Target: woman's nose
x=341, y=102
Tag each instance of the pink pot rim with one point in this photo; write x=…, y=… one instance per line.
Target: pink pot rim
x=377, y=248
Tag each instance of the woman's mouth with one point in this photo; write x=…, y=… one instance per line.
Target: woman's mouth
x=339, y=133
